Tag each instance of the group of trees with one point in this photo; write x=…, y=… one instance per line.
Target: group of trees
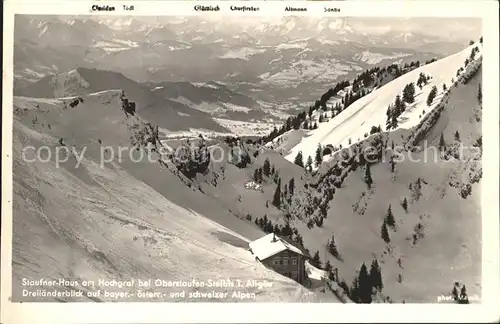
x=285, y=231
x=368, y=176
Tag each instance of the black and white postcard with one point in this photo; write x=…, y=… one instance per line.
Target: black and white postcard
x=250, y=161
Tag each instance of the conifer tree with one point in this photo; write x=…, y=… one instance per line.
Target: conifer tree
x=399, y=106
x=431, y=96
x=454, y=293
x=409, y=93
x=393, y=163
x=299, y=160
x=256, y=176
x=319, y=155
x=328, y=267
x=365, y=285
x=277, y=196
x=385, y=233
x=442, y=144
x=354, y=291
x=368, y=176
x=457, y=136
x=316, y=261
x=463, y=296
x=332, y=247
x=267, y=167
x=376, y=275
x=479, y=94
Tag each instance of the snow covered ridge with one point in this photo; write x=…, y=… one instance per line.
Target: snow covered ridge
x=355, y=121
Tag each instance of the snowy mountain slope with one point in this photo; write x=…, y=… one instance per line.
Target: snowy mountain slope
x=118, y=220
x=168, y=114
x=357, y=119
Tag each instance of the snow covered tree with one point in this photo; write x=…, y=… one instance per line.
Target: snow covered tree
x=389, y=218
x=299, y=160
x=444, y=87
x=384, y=233
x=481, y=40
x=457, y=136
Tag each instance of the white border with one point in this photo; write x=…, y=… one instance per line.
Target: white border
x=487, y=311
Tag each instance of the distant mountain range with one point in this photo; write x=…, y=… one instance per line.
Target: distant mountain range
x=287, y=52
